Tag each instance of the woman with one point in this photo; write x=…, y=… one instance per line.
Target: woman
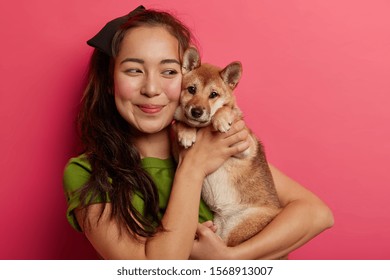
x=125, y=193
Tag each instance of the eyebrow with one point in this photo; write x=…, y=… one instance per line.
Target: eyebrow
x=141, y=61
x=167, y=61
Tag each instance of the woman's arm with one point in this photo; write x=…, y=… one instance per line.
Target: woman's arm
x=112, y=241
x=181, y=217
x=303, y=217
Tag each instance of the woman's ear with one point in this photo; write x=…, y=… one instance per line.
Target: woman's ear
x=191, y=60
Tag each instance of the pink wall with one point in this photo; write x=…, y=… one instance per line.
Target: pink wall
x=315, y=89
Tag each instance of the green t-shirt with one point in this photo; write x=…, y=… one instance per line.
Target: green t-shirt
x=78, y=171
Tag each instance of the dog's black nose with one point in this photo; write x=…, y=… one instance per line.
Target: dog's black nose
x=196, y=112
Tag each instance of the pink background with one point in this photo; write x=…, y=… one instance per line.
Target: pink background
x=315, y=89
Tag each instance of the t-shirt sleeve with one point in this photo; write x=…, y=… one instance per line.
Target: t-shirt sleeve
x=76, y=174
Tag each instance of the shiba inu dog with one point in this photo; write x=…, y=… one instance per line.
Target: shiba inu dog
x=241, y=192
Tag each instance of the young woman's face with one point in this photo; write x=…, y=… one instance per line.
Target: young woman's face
x=147, y=78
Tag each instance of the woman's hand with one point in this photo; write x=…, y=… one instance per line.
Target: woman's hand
x=213, y=148
x=209, y=245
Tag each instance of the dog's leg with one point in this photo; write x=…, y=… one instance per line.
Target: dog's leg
x=223, y=119
x=252, y=221
x=186, y=135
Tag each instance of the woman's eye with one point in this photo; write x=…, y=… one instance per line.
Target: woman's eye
x=191, y=89
x=213, y=95
x=133, y=71
x=170, y=72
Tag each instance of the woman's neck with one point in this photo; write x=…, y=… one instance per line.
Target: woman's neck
x=155, y=145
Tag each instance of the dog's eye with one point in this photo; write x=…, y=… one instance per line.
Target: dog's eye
x=213, y=95
x=191, y=89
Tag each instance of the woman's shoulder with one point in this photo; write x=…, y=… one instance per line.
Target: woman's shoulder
x=80, y=160
x=76, y=173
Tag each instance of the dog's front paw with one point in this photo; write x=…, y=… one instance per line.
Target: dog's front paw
x=222, y=124
x=187, y=137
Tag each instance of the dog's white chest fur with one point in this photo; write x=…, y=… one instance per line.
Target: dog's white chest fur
x=222, y=197
x=219, y=192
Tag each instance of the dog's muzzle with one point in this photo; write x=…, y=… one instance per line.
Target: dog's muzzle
x=197, y=116
x=196, y=112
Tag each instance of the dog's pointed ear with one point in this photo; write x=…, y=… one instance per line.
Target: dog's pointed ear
x=231, y=74
x=191, y=60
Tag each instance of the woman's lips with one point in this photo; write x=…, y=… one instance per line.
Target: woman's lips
x=150, y=109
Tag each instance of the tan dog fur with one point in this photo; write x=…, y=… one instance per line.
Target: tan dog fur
x=241, y=192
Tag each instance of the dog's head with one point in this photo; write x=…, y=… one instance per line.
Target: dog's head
x=205, y=89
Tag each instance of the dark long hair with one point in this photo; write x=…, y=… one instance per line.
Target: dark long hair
x=107, y=137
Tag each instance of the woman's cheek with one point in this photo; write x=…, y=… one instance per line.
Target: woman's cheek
x=174, y=90
x=126, y=87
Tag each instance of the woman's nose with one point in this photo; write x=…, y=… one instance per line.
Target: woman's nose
x=151, y=86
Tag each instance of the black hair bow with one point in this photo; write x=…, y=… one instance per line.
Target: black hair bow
x=103, y=39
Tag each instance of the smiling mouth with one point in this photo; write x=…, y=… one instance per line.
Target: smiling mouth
x=150, y=109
